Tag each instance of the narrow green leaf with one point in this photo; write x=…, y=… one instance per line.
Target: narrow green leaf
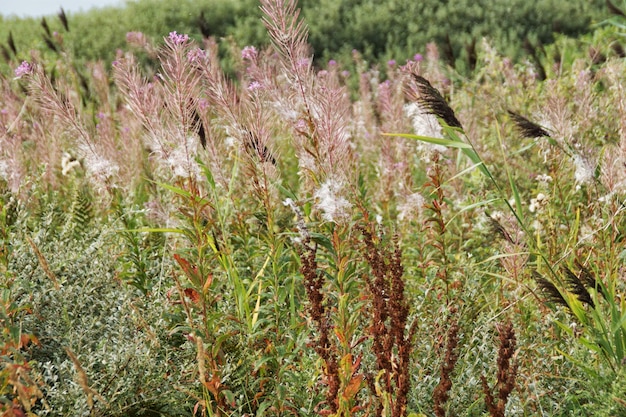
x=512, y=184
x=436, y=141
x=323, y=241
x=472, y=206
x=208, y=175
x=587, y=369
x=154, y=230
x=175, y=190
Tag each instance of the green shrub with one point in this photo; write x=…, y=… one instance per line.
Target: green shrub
x=380, y=30
x=89, y=324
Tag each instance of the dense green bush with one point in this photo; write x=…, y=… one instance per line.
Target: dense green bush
x=380, y=30
x=402, y=28
x=97, y=34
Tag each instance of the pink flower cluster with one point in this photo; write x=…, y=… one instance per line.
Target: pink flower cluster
x=249, y=53
x=24, y=69
x=136, y=38
x=196, y=55
x=177, y=39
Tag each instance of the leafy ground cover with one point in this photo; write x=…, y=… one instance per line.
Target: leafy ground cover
x=176, y=241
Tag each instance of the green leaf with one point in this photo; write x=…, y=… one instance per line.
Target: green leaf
x=154, y=230
x=472, y=206
x=264, y=406
x=435, y=141
x=175, y=190
x=587, y=369
x=230, y=397
x=323, y=241
x=208, y=175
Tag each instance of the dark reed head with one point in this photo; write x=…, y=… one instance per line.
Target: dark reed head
x=63, y=18
x=527, y=128
x=549, y=290
x=577, y=287
x=433, y=102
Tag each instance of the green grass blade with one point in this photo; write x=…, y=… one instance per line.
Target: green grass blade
x=512, y=184
x=435, y=141
x=154, y=230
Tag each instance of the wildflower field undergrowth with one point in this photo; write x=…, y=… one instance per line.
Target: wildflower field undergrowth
x=296, y=240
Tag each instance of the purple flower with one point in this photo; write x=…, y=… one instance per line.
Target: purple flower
x=249, y=53
x=203, y=104
x=303, y=63
x=418, y=58
x=255, y=85
x=384, y=91
x=301, y=126
x=136, y=38
x=391, y=62
x=24, y=69
x=345, y=73
x=131, y=36
x=177, y=39
x=196, y=55
x=332, y=63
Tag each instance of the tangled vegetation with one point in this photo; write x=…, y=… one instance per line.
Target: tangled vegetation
x=272, y=237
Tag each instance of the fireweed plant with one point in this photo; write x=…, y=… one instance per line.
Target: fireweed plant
x=263, y=244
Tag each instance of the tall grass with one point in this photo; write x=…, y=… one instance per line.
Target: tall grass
x=278, y=243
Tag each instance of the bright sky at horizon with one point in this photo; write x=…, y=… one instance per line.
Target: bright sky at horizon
x=38, y=8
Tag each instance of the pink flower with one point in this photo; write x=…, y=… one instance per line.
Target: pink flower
x=177, y=39
x=303, y=63
x=249, y=53
x=135, y=38
x=24, y=69
x=384, y=91
x=301, y=126
x=203, y=104
x=196, y=55
x=391, y=62
x=255, y=85
x=418, y=58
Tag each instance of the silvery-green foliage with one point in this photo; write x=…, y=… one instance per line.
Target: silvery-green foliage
x=118, y=335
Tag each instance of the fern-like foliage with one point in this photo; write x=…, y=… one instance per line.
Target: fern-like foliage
x=80, y=213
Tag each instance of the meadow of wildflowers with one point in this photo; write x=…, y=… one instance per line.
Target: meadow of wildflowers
x=292, y=239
